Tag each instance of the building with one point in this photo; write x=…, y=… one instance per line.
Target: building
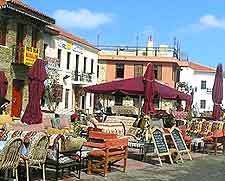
x=78, y=62
x=21, y=42
x=200, y=79
x=123, y=62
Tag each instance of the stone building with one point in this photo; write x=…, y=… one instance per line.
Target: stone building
x=21, y=42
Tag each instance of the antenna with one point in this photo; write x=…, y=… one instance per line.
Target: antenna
x=98, y=38
x=137, y=41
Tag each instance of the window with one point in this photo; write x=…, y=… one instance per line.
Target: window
x=92, y=66
x=34, y=37
x=97, y=71
x=76, y=67
x=68, y=60
x=203, y=84
x=138, y=70
x=118, y=100
x=67, y=98
x=90, y=100
x=85, y=62
x=119, y=70
x=202, y=104
x=83, y=99
x=19, y=42
x=45, y=49
x=196, y=89
x=3, y=28
x=158, y=72
x=59, y=56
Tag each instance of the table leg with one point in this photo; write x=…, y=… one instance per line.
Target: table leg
x=215, y=144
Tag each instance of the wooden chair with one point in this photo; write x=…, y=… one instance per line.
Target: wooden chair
x=36, y=153
x=114, y=150
x=10, y=155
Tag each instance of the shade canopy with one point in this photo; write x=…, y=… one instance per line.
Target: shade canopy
x=37, y=74
x=135, y=86
x=217, y=93
x=3, y=84
x=149, y=78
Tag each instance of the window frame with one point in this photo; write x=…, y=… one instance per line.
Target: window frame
x=85, y=65
x=67, y=92
x=59, y=55
x=120, y=75
x=202, y=102
x=68, y=60
x=203, y=84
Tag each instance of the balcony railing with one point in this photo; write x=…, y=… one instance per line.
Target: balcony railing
x=209, y=90
x=82, y=77
x=137, y=51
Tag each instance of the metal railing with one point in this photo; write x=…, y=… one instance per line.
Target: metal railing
x=82, y=76
x=144, y=51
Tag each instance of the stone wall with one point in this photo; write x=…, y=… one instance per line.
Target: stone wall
x=7, y=56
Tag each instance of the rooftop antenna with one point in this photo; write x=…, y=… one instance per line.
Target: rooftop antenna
x=137, y=43
x=98, y=38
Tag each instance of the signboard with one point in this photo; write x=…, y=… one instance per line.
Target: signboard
x=30, y=55
x=71, y=46
x=179, y=142
x=160, y=144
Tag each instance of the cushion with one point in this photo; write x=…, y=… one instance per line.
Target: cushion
x=64, y=123
x=71, y=144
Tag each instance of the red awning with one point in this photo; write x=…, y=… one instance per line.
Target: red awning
x=135, y=86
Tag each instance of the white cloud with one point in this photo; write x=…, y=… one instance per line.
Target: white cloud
x=82, y=18
x=209, y=21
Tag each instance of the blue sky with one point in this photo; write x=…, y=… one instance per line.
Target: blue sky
x=198, y=24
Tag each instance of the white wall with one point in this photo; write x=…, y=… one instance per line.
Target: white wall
x=55, y=43
x=194, y=78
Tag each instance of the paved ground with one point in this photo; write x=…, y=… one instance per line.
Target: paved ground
x=203, y=168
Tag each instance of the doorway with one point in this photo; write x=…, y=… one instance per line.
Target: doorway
x=17, y=97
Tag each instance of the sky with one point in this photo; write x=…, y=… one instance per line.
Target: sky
x=199, y=25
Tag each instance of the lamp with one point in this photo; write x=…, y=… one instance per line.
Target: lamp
x=66, y=77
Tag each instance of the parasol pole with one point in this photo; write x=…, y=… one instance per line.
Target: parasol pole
x=139, y=106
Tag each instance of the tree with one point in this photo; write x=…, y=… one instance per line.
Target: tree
x=53, y=90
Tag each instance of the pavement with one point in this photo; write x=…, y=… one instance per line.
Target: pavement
x=203, y=167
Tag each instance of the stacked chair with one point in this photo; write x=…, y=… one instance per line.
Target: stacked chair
x=10, y=156
x=108, y=149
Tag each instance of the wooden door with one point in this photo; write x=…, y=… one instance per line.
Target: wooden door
x=17, y=98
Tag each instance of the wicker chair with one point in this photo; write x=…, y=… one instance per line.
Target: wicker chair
x=10, y=155
x=36, y=153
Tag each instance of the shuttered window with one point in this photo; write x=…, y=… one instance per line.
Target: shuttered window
x=158, y=72
x=138, y=70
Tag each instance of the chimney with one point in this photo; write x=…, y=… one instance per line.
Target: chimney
x=150, y=42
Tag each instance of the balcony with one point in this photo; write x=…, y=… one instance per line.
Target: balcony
x=209, y=91
x=82, y=78
x=24, y=55
x=18, y=55
x=166, y=51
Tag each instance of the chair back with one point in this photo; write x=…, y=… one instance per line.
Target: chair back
x=37, y=151
x=11, y=154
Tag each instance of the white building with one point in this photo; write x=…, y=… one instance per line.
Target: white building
x=200, y=79
x=78, y=62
